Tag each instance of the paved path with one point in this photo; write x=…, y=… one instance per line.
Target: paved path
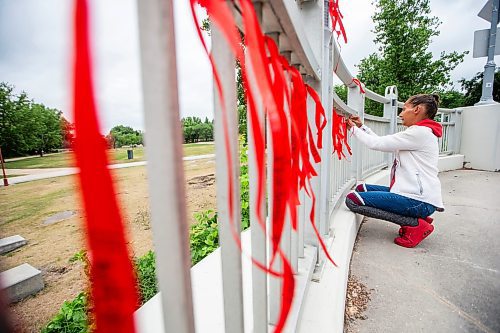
x=37, y=174
x=451, y=281
x=31, y=156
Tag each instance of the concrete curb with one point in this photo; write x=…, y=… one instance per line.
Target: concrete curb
x=451, y=162
x=325, y=302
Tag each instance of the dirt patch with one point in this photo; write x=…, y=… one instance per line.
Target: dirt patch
x=202, y=181
x=357, y=298
x=50, y=247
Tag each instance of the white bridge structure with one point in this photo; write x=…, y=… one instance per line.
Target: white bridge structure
x=225, y=292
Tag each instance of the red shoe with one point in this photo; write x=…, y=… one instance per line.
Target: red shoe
x=428, y=219
x=412, y=236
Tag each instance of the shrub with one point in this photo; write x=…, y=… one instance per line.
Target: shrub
x=79, y=256
x=72, y=318
x=203, y=240
x=145, y=268
x=203, y=236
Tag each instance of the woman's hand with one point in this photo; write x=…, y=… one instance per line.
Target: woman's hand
x=349, y=123
x=355, y=120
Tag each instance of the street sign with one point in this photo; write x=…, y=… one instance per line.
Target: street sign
x=481, y=40
x=485, y=12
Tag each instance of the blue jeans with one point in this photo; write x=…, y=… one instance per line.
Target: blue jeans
x=379, y=197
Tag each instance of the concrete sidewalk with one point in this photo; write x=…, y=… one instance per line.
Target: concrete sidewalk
x=451, y=281
x=37, y=174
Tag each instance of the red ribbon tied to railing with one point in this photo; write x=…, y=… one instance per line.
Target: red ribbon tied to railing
x=113, y=286
x=359, y=84
x=336, y=16
x=281, y=91
x=339, y=135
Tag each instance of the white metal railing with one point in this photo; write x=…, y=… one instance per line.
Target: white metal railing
x=451, y=121
x=304, y=37
x=374, y=160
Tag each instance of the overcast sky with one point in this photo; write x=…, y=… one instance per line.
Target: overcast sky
x=35, y=52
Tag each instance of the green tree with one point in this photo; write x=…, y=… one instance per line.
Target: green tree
x=404, y=29
x=195, y=130
x=124, y=136
x=473, y=88
x=341, y=91
x=43, y=129
x=451, y=99
x=27, y=127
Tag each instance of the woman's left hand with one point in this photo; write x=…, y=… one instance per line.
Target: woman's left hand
x=349, y=123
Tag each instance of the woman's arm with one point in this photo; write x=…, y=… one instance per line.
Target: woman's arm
x=368, y=130
x=356, y=120
x=406, y=140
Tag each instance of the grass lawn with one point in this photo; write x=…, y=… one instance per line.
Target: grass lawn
x=119, y=155
x=50, y=161
x=24, y=208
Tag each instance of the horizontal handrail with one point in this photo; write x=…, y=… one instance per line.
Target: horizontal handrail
x=444, y=110
x=376, y=97
x=340, y=68
x=375, y=118
x=448, y=123
x=291, y=22
x=440, y=110
x=340, y=105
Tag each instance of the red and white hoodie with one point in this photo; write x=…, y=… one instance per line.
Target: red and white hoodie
x=415, y=170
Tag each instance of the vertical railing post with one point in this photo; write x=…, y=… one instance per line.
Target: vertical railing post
x=391, y=112
x=327, y=101
x=452, y=136
x=259, y=241
x=165, y=166
x=259, y=248
x=458, y=131
x=309, y=235
x=443, y=139
x=391, y=108
x=227, y=172
x=356, y=100
x=275, y=284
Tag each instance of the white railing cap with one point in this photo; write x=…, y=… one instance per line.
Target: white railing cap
x=376, y=97
x=347, y=78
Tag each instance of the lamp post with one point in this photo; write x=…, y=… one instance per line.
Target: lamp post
x=5, y=180
x=489, y=68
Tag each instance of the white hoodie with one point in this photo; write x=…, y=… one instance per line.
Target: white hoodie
x=415, y=170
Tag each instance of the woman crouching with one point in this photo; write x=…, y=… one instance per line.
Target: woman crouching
x=414, y=192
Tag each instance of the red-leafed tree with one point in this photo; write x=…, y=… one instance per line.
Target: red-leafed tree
x=68, y=133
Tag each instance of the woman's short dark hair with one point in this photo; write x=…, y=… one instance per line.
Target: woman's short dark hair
x=431, y=102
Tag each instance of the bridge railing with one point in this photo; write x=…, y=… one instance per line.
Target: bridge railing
x=451, y=120
x=302, y=32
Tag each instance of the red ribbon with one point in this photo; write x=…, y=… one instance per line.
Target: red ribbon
x=336, y=16
x=320, y=113
x=283, y=94
x=339, y=135
x=113, y=287
x=358, y=83
x=222, y=17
